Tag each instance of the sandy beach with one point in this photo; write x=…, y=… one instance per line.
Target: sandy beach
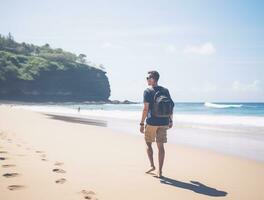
x=49, y=157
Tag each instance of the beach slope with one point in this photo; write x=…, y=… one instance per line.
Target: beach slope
x=43, y=157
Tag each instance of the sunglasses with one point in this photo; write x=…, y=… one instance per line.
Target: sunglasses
x=149, y=77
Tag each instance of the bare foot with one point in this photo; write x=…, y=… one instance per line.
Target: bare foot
x=159, y=174
x=150, y=170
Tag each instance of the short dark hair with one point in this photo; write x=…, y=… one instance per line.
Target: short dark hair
x=154, y=74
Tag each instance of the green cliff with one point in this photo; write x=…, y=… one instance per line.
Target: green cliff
x=40, y=73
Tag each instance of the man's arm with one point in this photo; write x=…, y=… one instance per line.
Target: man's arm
x=171, y=120
x=171, y=117
x=144, y=112
x=144, y=115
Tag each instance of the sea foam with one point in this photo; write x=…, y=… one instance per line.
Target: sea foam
x=214, y=105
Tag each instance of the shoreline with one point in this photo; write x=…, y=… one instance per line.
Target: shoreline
x=108, y=164
x=178, y=136
x=245, y=142
x=120, y=111
x=190, y=136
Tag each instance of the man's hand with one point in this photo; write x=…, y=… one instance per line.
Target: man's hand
x=142, y=127
x=170, y=124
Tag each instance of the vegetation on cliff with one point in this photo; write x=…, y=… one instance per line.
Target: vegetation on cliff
x=40, y=73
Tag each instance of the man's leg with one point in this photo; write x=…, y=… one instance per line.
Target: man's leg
x=150, y=132
x=161, y=138
x=161, y=157
x=150, y=156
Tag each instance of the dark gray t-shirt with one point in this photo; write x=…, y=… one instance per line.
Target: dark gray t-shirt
x=149, y=98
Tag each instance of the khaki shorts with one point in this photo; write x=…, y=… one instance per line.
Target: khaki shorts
x=156, y=132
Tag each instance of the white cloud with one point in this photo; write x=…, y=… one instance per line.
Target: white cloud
x=254, y=86
x=204, y=49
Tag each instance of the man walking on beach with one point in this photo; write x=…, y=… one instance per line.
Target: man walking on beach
x=158, y=112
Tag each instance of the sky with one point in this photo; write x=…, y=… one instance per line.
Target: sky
x=204, y=50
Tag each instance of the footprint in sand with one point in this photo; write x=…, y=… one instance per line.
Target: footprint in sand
x=60, y=181
x=3, y=158
x=88, y=194
x=58, y=163
x=15, y=187
x=10, y=175
x=8, y=165
x=57, y=170
x=43, y=156
x=21, y=155
x=39, y=151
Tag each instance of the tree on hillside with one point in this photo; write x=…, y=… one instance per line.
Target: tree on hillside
x=82, y=58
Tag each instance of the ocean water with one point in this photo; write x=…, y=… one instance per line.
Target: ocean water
x=230, y=128
x=231, y=109
x=245, y=114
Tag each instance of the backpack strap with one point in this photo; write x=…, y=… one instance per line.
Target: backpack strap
x=162, y=91
x=150, y=89
x=156, y=94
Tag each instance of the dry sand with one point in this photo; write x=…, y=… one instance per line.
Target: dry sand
x=44, y=157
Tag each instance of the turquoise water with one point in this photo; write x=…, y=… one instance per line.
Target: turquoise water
x=231, y=109
x=231, y=114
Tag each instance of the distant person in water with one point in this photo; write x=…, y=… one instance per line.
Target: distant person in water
x=158, y=112
x=79, y=108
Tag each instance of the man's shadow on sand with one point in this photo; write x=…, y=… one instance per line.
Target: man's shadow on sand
x=194, y=186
